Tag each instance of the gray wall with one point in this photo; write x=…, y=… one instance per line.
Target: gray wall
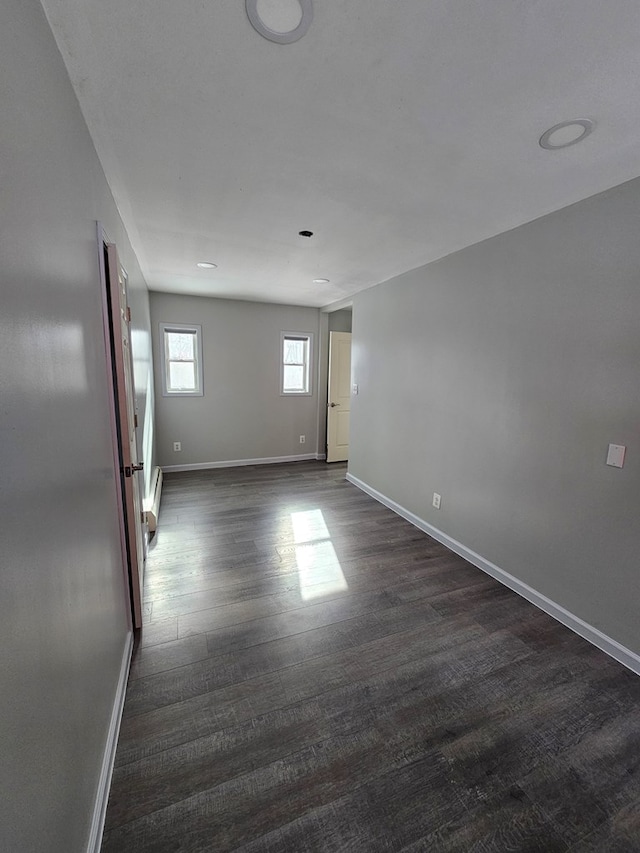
x=497, y=377
x=63, y=622
x=241, y=415
x=340, y=321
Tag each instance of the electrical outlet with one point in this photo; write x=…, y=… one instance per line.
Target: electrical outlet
x=615, y=456
x=354, y=389
x=177, y=446
x=436, y=500
x=302, y=439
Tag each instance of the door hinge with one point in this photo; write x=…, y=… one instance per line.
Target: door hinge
x=128, y=314
x=135, y=420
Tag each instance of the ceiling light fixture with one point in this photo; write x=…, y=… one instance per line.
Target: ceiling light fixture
x=566, y=133
x=321, y=281
x=206, y=265
x=273, y=35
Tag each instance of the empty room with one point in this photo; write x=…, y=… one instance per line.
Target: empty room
x=320, y=413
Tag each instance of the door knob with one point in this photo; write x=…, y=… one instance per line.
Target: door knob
x=129, y=469
x=334, y=404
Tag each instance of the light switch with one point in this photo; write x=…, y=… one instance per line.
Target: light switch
x=615, y=456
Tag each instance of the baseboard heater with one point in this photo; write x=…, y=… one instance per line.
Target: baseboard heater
x=152, y=505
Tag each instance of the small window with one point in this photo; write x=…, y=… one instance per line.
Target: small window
x=182, y=360
x=295, y=364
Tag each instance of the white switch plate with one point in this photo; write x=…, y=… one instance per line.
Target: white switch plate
x=354, y=389
x=615, y=456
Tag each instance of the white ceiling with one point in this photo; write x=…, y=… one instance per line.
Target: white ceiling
x=397, y=131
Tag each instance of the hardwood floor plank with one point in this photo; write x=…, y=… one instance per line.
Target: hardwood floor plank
x=280, y=572
x=177, y=773
x=607, y=762
x=314, y=674
x=168, y=655
x=161, y=631
x=296, y=621
x=170, y=723
x=171, y=681
x=619, y=834
x=507, y=823
x=384, y=813
x=223, y=817
x=570, y=805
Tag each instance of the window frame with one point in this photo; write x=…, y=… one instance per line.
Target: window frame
x=181, y=328
x=308, y=337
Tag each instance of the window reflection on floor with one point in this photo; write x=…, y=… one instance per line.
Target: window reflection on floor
x=319, y=570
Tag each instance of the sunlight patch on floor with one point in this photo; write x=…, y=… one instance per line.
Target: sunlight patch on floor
x=319, y=570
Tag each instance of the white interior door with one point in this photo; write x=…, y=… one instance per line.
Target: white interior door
x=339, y=398
x=126, y=419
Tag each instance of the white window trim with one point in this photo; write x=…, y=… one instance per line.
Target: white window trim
x=309, y=391
x=181, y=327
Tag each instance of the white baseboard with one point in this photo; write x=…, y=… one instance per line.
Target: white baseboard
x=611, y=647
x=151, y=506
x=236, y=463
x=106, y=771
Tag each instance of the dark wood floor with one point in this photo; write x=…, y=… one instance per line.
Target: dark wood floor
x=315, y=674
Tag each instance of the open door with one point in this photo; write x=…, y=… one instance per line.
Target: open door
x=118, y=317
x=339, y=402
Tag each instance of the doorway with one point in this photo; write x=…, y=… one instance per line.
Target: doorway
x=339, y=385
x=124, y=419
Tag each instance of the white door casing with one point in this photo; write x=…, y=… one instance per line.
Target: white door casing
x=339, y=397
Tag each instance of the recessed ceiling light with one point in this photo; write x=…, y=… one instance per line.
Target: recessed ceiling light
x=287, y=37
x=207, y=265
x=566, y=133
x=321, y=281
